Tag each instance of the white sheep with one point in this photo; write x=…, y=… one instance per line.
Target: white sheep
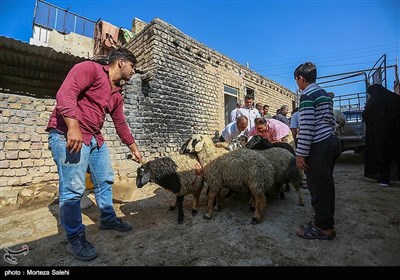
x=239, y=170
x=180, y=174
x=340, y=119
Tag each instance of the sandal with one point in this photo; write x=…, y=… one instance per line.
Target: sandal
x=313, y=232
x=311, y=224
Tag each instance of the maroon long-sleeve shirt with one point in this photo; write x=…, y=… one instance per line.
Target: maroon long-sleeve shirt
x=86, y=95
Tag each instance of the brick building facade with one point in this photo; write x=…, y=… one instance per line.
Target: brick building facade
x=186, y=88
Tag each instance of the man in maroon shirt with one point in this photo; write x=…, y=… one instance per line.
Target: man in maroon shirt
x=88, y=93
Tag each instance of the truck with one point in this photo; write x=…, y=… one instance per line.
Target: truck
x=352, y=135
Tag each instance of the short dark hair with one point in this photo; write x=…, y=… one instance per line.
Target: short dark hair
x=241, y=119
x=260, y=121
x=121, y=53
x=249, y=96
x=308, y=71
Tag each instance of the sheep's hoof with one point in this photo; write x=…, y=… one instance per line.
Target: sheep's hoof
x=206, y=217
x=301, y=203
x=180, y=222
x=194, y=212
x=254, y=221
x=172, y=208
x=252, y=209
x=281, y=195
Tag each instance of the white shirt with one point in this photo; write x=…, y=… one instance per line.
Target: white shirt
x=295, y=120
x=251, y=115
x=232, y=116
x=231, y=131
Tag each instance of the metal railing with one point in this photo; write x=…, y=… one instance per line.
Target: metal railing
x=48, y=16
x=351, y=105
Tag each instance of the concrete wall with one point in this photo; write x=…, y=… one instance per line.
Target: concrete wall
x=71, y=43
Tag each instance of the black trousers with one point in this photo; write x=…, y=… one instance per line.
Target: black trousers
x=321, y=161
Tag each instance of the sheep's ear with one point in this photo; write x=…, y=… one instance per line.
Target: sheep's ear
x=199, y=146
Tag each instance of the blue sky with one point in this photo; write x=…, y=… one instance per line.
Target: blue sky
x=274, y=37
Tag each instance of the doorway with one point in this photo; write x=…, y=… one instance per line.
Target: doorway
x=230, y=100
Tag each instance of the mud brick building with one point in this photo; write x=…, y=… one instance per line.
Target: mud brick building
x=183, y=88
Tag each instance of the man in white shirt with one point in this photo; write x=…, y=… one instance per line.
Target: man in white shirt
x=234, y=129
x=232, y=116
x=249, y=111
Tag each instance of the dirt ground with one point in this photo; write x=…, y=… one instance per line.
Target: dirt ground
x=367, y=224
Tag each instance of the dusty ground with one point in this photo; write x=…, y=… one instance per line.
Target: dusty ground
x=367, y=222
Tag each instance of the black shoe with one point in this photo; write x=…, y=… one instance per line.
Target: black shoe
x=81, y=248
x=116, y=224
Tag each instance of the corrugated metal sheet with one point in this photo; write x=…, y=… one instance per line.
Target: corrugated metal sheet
x=32, y=70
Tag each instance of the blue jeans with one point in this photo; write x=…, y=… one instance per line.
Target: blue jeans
x=72, y=168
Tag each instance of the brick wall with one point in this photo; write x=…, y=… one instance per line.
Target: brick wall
x=183, y=89
x=27, y=168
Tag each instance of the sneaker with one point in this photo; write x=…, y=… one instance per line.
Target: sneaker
x=81, y=248
x=383, y=183
x=116, y=224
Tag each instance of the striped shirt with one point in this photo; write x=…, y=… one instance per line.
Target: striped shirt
x=317, y=121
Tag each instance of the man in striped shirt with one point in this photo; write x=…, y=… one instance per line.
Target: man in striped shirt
x=317, y=151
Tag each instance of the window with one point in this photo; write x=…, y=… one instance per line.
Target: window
x=231, y=91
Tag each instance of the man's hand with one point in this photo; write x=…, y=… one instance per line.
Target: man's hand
x=74, y=135
x=301, y=163
x=135, y=151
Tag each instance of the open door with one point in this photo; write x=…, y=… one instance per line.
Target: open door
x=230, y=100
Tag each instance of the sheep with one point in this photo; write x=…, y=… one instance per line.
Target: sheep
x=285, y=170
x=240, y=170
x=221, y=149
x=238, y=142
x=181, y=174
x=340, y=119
x=258, y=142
